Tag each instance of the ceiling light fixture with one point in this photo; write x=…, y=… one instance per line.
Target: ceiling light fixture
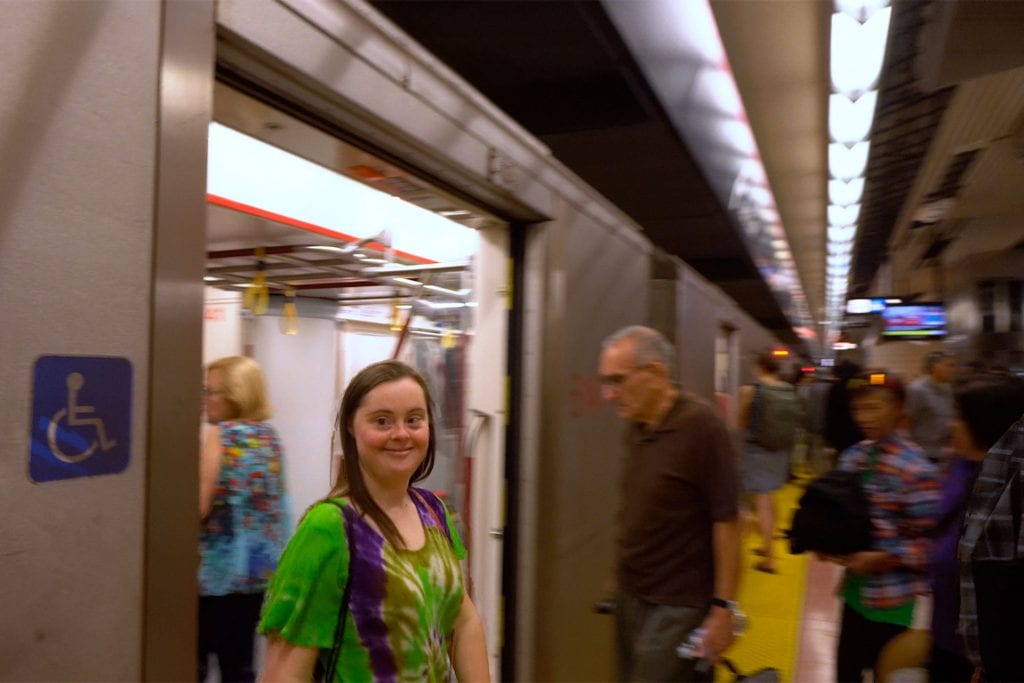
x=693, y=67
x=860, y=30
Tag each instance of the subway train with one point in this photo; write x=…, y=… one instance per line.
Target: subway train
x=302, y=182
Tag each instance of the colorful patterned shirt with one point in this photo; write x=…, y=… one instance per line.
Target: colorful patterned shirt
x=402, y=603
x=248, y=522
x=902, y=487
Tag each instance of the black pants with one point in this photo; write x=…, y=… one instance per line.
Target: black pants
x=860, y=642
x=227, y=628
x=949, y=667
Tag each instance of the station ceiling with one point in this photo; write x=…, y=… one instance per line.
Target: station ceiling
x=562, y=70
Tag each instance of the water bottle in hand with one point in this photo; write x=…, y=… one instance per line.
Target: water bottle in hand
x=692, y=645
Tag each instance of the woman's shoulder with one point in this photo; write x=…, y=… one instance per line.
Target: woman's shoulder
x=237, y=428
x=325, y=514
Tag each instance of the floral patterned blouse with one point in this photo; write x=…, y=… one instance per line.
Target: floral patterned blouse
x=402, y=603
x=246, y=530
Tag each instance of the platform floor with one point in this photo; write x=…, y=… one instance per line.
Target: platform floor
x=793, y=616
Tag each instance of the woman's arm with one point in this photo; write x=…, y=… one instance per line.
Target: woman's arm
x=209, y=469
x=469, y=646
x=285, y=662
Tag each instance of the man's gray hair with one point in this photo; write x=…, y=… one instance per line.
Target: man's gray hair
x=649, y=346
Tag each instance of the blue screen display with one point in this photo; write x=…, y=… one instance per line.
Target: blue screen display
x=914, y=321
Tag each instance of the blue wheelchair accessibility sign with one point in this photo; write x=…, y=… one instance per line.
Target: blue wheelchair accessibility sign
x=81, y=417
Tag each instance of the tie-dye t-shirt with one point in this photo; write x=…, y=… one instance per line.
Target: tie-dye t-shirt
x=402, y=603
x=248, y=522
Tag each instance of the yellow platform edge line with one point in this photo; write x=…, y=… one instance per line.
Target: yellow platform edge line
x=774, y=603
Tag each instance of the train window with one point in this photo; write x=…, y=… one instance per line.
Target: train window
x=724, y=381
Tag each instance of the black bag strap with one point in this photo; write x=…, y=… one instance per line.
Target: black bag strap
x=755, y=414
x=327, y=674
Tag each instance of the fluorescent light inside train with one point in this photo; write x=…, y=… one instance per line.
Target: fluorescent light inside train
x=860, y=30
x=251, y=172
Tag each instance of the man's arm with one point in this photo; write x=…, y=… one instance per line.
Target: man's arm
x=725, y=539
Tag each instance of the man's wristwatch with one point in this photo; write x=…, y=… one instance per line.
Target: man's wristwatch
x=727, y=604
x=739, y=619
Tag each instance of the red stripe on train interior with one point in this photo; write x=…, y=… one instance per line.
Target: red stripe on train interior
x=303, y=225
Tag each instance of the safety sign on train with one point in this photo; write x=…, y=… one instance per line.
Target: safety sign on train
x=81, y=417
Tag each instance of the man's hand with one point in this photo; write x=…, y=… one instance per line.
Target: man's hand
x=718, y=635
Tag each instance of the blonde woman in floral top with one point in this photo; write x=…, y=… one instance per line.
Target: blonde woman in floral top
x=243, y=512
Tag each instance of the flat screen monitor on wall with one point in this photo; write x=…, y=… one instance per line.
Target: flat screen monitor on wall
x=914, y=321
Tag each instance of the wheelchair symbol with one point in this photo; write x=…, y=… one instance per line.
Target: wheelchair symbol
x=74, y=413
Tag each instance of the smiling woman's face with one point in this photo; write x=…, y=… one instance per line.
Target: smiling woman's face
x=392, y=431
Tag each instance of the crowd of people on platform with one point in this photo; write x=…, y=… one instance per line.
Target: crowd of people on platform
x=917, y=450
x=369, y=586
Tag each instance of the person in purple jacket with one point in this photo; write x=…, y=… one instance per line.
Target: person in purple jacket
x=985, y=406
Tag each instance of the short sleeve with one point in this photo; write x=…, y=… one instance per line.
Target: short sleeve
x=304, y=597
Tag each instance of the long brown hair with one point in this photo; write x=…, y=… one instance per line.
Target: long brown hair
x=350, y=481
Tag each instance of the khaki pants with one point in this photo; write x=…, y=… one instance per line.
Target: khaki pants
x=648, y=635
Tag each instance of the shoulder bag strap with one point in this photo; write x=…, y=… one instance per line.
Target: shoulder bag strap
x=754, y=413
x=339, y=629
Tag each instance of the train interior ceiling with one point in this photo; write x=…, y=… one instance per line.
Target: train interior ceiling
x=356, y=207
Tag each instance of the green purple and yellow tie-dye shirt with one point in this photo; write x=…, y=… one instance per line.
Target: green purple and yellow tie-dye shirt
x=402, y=604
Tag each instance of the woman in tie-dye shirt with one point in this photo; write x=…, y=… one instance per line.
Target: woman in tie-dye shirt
x=379, y=552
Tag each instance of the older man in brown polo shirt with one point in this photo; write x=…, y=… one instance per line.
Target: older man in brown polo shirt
x=679, y=541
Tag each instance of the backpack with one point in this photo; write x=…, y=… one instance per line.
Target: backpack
x=779, y=413
x=832, y=516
